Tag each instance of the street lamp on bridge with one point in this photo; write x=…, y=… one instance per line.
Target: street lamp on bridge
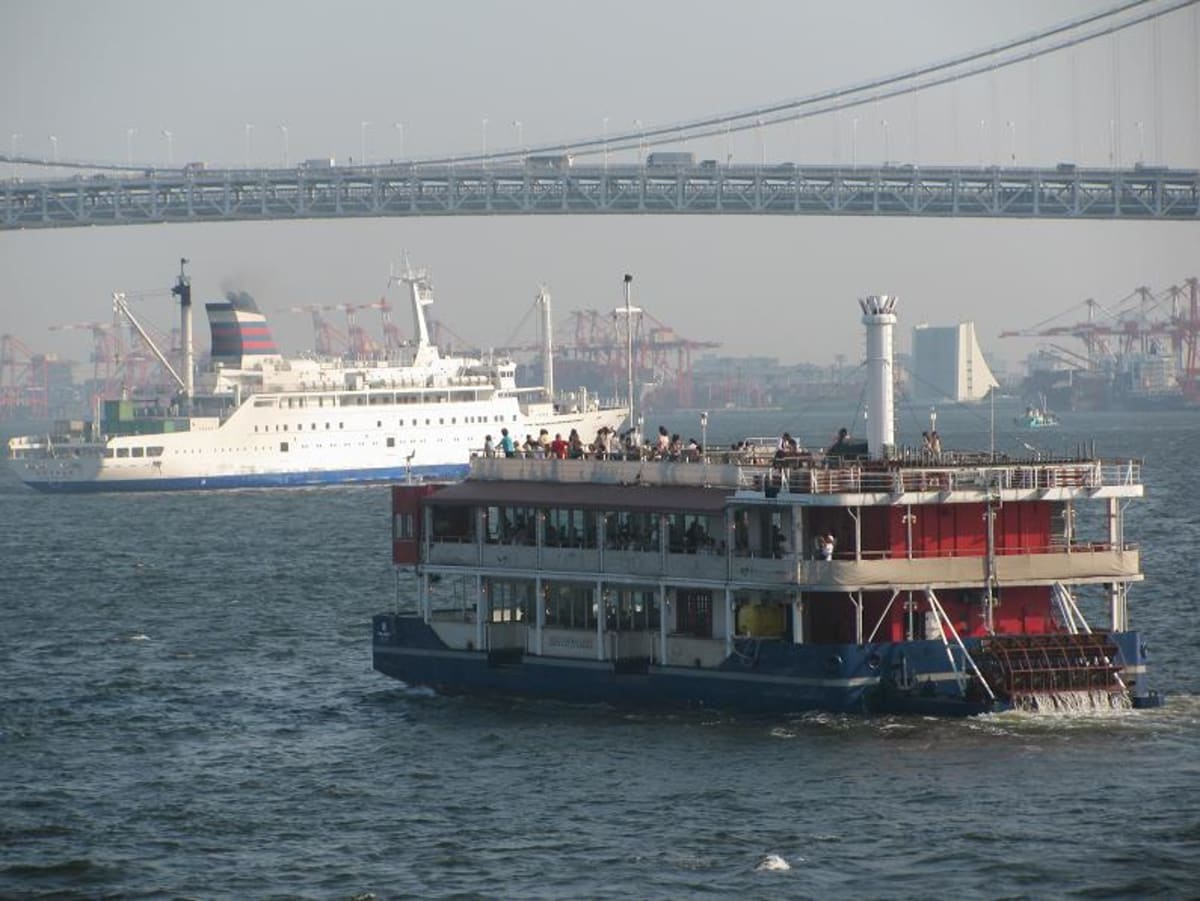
x=363, y=126
x=400, y=128
x=54, y=147
x=283, y=130
x=170, y=146
x=246, y=158
x=129, y=133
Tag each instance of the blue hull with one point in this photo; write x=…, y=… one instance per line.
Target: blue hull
x=259, y=480
x=761, y=677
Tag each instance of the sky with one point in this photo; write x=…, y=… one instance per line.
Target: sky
x=425, y=76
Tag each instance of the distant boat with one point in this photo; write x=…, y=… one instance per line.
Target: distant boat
x=1036, y=417
x=259, y=420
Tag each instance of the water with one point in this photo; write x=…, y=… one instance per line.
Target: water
x=187, y=708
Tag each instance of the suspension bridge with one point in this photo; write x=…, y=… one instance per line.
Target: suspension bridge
x=670, y=174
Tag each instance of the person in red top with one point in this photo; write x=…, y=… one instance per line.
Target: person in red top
x=558, y=447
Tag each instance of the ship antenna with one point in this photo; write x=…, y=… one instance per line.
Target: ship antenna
x=183, y=290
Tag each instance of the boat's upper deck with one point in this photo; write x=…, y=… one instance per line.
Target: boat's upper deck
x=820, y=480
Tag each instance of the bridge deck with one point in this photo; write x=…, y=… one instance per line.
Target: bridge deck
x=784, y=189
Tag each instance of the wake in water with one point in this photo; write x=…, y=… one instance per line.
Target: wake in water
x=1068, y=703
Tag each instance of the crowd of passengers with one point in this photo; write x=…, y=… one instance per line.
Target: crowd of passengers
x=628, y=445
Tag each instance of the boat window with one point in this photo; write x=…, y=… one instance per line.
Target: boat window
x=510, y=601
x=283, y=446
x=122, y=452
x=264, y=402
x=631, y=609
x=627, y=531
x=391, y=442
x=688, y=533
x=453, y=524
x=570, y=528
x=511, y=525
x=570, y=605
x=108, y=453
x=138, y=451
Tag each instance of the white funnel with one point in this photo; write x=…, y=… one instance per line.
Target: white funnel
x=879, y=315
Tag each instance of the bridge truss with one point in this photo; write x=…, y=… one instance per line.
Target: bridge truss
x=1139, y=193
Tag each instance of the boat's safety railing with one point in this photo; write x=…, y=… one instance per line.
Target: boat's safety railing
x=856, y=478
x=944, y=626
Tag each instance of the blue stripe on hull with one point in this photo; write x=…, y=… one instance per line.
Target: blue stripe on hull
x=773, y=677
x=258, y=480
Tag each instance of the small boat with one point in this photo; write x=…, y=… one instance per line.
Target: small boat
x=1036, y=417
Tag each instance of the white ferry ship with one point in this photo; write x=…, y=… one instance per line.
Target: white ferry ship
x=256, y=419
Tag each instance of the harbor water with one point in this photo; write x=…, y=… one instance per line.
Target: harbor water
x=188, y=709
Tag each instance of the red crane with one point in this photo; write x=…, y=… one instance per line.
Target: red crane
x=24, y=380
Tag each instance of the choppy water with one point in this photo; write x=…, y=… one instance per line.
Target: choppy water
x=187, y=708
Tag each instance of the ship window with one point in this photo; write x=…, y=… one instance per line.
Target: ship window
x=510, y=601
x=326, y=425
x=285, y=426
x=404, y=527
x=570, y=605
x=313, y=427
x=570, y=528
x=391, y=442
x=453, y=524
x=631, y=609
x=511, y=525
x=283, y=446
x=139, y=451
x=379, y=423
x=694, y=613
x=627, y=531
x=122, y=452
x=264, y=402
x=341, y=425
x=108, y=453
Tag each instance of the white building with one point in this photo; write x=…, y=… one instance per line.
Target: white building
x=948, y=364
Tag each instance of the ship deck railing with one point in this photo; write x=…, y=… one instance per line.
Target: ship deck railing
x=902, y=478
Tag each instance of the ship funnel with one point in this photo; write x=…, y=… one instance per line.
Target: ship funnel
x=879, y=316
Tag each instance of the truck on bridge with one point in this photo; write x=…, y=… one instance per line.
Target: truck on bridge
x=670, y=159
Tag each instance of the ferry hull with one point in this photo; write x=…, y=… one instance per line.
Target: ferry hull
x=251, y=480
x=761, y=677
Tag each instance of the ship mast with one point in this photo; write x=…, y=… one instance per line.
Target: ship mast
x=183, y=290
x=628, y=311
x=879, y=315
x=543, y=300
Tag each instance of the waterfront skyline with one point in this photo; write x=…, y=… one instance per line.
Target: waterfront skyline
x=253, y=86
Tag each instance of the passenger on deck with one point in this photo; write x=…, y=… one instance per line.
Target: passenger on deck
x=935, y=444
x=558, y=447
x=489, y=447
x=507, y=446
x=663, y=444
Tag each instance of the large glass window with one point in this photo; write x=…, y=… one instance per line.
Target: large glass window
x=630, y=531
x=570, y=528
x=453, y=524
x=690, y=533
x=510, y=601
x=511, y=525
x=570, y=605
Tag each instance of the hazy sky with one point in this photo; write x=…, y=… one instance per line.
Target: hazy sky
x=87, y=72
